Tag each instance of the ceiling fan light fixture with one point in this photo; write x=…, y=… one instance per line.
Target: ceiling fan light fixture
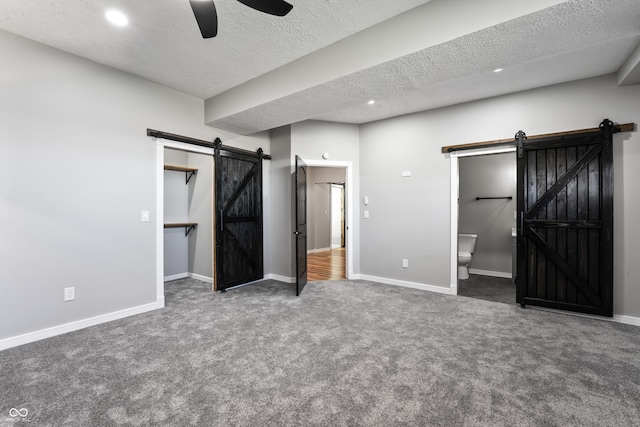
x=371, y=102
x=497, y=70
x=117, y=18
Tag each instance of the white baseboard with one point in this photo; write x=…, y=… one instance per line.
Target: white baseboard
x=618, y=318
x=280, y=278
x=313, y=251
x=176, y=277
x=490, y=273
x=188, y=276
x=77, y=325
x=453, y=288
x=200, y=277
x=405, y=284
x=628, y=320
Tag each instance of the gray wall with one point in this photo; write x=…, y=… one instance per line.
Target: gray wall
x=491, y=220
x=280, y=204
x=76, y=171
x=410, y=217
x=319, y=205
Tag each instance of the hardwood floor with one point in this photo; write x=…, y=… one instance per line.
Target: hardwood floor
x=326, y=265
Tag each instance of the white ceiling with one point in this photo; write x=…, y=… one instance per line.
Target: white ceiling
x=326, y=58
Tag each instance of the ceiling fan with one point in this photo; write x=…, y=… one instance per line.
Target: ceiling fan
x=205, y=12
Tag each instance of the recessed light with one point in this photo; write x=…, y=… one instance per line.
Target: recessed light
x=497, y=70
x=371, y=102
x=117, y=18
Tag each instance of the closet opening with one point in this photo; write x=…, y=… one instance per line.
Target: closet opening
x=188, y=206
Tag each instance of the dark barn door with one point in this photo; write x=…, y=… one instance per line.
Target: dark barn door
x=238, y=217
x=300, y=225
x=565, y=229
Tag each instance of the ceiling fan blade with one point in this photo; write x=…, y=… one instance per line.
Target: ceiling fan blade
x=272, y=7
x=205, y=12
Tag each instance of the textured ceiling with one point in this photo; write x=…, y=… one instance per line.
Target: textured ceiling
x=566, y=41
x=162, y=42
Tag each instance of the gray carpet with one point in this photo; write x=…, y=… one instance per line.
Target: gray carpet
x=497, y=289
x=343, y=354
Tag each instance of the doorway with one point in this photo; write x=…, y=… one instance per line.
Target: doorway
x=487, y=210
x=347, y=167
x=326, y=217
x=231, y=215
x=455, y=200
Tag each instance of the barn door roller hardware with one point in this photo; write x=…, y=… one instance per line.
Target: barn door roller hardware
x=520, y=137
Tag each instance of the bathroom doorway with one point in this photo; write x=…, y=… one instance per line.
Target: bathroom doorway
x=484, y=192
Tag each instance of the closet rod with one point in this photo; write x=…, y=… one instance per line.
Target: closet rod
x=492, y=198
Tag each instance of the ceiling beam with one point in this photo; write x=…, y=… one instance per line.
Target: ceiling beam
x=429, y=25
x=629, y=73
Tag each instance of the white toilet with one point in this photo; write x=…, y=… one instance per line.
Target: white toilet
x=466, y=246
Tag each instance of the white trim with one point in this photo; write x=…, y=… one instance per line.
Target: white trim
x=161, y=144
x=188, y=276
x=482, y=151
x=313, y=251
x=455, y=194
x=279, y=278
x=186, y=147
x=491, y=273
x=160, y=279
x=627, y=320
x=349, y=190
x=77, y=325
x=200, y=277
x=176, y=277
x=405, y=284
x=453, y=254
x=617, y=318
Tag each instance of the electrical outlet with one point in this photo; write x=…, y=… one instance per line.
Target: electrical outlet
x=365, y=214
x=405, y=263
x=70, y=293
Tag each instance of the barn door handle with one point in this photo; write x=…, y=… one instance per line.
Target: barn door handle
x=221, y=220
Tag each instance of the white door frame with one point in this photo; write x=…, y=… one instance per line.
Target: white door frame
x=348, y=215
x=455, y=196
x=161, y=144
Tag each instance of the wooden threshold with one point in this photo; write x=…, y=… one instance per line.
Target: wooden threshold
x=627, y=127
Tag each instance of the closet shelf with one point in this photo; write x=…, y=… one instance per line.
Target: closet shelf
x=188, y=226
x=189, y=172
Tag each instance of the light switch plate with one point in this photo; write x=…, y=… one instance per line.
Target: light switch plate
x=144, y=217
x=406, y=173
